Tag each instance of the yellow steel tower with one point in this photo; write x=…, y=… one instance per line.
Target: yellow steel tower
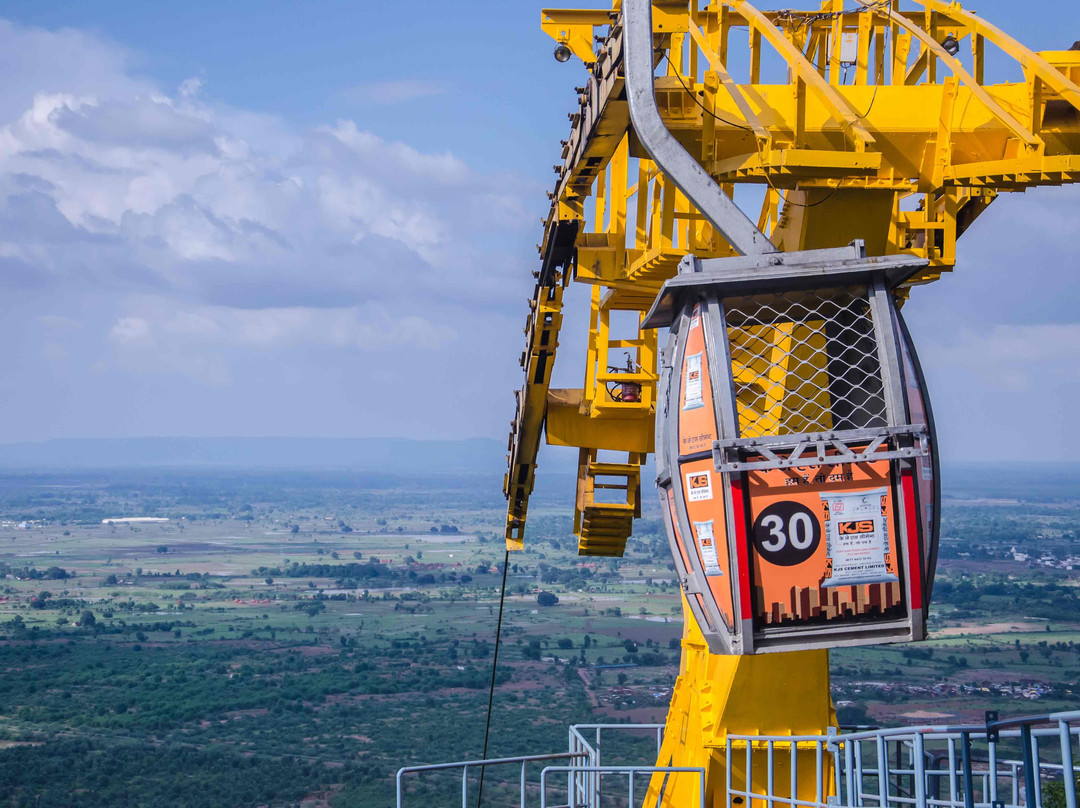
x=868, y=122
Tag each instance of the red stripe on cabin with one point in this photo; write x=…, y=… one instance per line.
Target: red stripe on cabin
x=739, y=510
x=911, y=517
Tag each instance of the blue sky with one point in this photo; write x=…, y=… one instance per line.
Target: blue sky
x=318, y=219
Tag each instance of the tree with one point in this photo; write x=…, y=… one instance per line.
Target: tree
x=87, y=618
x=565, y=642
x=294, y=529
x=1054, y=793
x=161, y=548
x=547, y=599
x=269, y=581
x=622, y=678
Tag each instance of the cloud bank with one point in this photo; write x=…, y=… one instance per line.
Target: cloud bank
x=173, y=265
x=158, y=247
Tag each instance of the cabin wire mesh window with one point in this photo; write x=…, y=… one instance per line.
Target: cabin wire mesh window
x=805, y=361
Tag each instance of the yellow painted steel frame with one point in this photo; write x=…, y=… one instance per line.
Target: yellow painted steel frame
x=866, y=122
x=851, y=123
x=716, y=696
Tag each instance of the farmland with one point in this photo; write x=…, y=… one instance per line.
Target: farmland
x=294, y=638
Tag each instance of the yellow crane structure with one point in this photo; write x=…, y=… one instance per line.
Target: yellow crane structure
x=865, y=122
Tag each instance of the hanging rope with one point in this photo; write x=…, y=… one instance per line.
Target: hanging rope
x=494, y=669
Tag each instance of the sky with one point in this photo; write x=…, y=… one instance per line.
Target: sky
x=319, y=219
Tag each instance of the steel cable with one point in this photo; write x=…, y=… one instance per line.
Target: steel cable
x=494, y=670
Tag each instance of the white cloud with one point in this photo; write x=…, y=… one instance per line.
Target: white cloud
x=172, y=264
x=130, y=331
x=215, y=202
x=443, y=167
x=203, y=226
x=160, y=337
x=190, y=86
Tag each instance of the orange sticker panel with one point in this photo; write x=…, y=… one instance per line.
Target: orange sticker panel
x=823, y=543
x=704, y=501
x=697, y=418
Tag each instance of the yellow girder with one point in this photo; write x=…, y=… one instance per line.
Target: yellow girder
x=859, y=123
x=870, y=122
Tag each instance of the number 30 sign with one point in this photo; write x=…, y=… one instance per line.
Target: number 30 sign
x=786, y=533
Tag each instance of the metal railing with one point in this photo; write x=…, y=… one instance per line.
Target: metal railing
x=477, y=766
x=1006, y=763
x=585, y=787
x=631, y=773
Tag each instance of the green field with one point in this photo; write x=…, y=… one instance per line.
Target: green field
x=295, y=639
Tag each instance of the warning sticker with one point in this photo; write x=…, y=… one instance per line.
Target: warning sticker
x=698, y=486
x=857, y=539
x=692, y=383
x=707, y=546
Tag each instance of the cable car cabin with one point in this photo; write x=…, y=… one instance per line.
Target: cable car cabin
x=794, y=446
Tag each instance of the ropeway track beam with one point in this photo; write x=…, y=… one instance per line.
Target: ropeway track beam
x=671, y=158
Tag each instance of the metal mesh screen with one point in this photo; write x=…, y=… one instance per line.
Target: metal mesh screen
x=805, y=362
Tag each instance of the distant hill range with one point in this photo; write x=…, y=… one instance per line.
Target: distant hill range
x=391, y=455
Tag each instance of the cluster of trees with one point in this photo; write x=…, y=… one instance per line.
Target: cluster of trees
x=31, y=573
x=1051, y=601
x=82, y=773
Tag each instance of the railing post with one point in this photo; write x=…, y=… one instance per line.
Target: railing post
x=631, y=776
x=837, y=768
x=858, y=751
x=748, y=772
x=794, y=793
x=523, y=784
x=819, y=774
x=1029, y=767
x=464, y=787
x=849, y=761
x=1038, y=770
x=769, y=779
x=965, y=756
x=919, y=761
x=1067, y=762
x=727, y=773
x=597, y=779
x=883, y=771
x=953, y=787
x=992, y=762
